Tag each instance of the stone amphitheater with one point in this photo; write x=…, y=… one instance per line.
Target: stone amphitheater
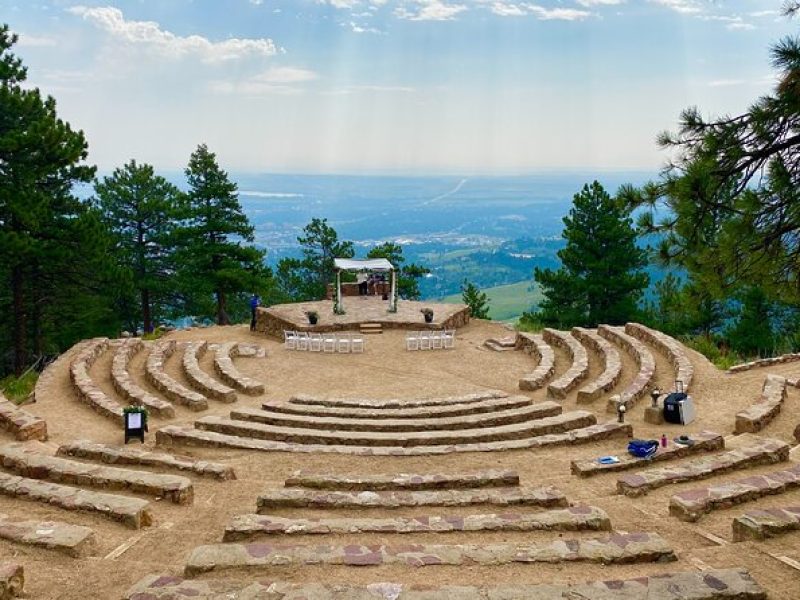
x=465, y=473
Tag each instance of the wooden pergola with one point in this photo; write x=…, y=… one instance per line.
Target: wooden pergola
x=373, y=265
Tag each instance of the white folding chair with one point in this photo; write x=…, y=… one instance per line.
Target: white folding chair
x=449, y=338
x=412, y=341
x=289, y=340
x=343, y=343
x=315, y=342
x=356, y=343
x=437, y=342
x=302, y=340
x=425, y=340
x=329, y=342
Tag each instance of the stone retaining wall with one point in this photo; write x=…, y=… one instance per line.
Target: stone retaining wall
x=759, y=415
x=371, y=403
x=536, y=346
x=19, y=422
x=612, y=365
x=403, y=481
x=199, y=379
x=88, y=392
x=669, y=346
x=644, y=359
x=578, y=370
x=227, y=371
x=766, y=523
x=128, y=389
x=765, y=362
x=158, y=378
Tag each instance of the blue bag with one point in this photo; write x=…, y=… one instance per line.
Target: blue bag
x=642, y=448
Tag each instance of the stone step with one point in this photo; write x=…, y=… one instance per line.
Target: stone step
x=613, y=549
x=19, y=422
x=557, y=424
x=760, y=413
x=299, y=498
x=535, y=345
x=577, y=518
x=164, y=383
x=578, y=370
x=12, y=580
x=199, y=379
x=609, y=357
x=73, y=540
x=675, y=351
x=133, y=512
x=373, y=403
x=495, y=347
x=485, y=420
x=704, y=441
x=766, y=523
x=691, y=505
x=27, y=463
x=127, y=387
x=644, y=379
x=425, y=412
x=759, y=453
x=126, y=455
x=87, y=390
x=404, y=481
x=229, y=374
x=714, y=584
x=370, y=328
x=173, y=435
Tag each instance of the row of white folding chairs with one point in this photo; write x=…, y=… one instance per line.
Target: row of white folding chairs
x=431, y=339
x=323, y=342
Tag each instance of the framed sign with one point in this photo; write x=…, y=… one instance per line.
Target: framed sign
x=135, y=425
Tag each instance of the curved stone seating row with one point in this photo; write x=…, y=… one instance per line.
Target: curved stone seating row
x=557, y=424
x=765, y=362
x=691, y=505
x=612, y=365
x=403, y=481
x=133, y=512
x=379, y=404
x=87, y=390
x=228, y=373
x=127, y=387
x=424, y=412
x=19, y=422
x=713, y=584
x=158, y=378
x=760, y=413
x=644, y=360
x=576, y=518
x=173, y=435
x=534, y=344
x=113, y=455
x=759, y=453
x=12, y=580
x=616, y=548
x=765, y=523
x=26, y=463
x=669, y=346
x=279, y=498
x=202, y=381
x=705, y=441
x=73, y=540
x=495, y=419
x=578, y=370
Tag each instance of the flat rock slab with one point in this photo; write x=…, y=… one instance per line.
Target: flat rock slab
x=759, y=453
x=704, y=441
x=484, y=420
x=422, y=412
x=716, y=584
x=126, y=455
x=173, y=435
x=693, y=504
x=543, y=426
x=133, y=512
x=397, y=402
x=576, y=518
x=28, y=463
x=12, y=580
x=613, y=549
x=404, y=481
x=298, y=498
x=73, y=540
x=20, y=422
x=761, y=524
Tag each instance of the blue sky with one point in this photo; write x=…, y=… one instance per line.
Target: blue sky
x=393, y=86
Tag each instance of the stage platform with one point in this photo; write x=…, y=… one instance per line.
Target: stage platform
x=359, y=309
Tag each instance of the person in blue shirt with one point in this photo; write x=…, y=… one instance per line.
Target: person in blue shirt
x=255, y=302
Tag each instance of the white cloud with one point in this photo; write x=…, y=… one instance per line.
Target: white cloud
x=340, y=3
x=256, y=2
x=504, y=9
x=591, y=3
x=429, y=10
x=356, y=28
x=277, y=80
x=685, y=7
x=764, y=13
x=740, y=26
x=374, y=89
x=166, y=43
x=557, y=14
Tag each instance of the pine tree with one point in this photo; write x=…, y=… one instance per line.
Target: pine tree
x=215, y=261
x=407, y=275
x=600, y=280
x=752, y=333
x=477, y=300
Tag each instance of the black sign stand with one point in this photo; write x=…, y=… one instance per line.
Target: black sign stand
x=135, y=425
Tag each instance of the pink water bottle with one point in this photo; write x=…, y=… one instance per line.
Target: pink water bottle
x=663, y=440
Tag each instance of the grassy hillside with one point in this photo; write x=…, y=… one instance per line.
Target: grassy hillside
x=507, y=302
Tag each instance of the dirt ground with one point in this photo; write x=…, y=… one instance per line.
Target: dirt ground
x=387, y=370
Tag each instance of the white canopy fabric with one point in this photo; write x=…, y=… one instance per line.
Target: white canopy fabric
x=372, y=264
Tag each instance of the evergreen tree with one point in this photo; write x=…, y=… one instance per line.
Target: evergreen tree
x=477, y=300
x=215, y=260
x=752, y=333
x=407, y=275
x=600, y=280
x=140, y=209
